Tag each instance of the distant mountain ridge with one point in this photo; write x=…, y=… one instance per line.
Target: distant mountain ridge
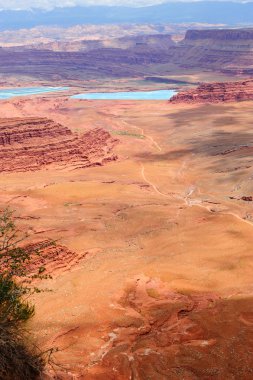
x=229, y=51
x=213, y=12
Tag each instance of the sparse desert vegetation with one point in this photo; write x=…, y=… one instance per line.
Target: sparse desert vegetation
x=20, y=359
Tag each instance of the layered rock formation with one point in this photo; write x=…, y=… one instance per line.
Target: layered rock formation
x=32, y=143
x=53, y=258
x=114, y=57
x=227, y=50
x=216, y=93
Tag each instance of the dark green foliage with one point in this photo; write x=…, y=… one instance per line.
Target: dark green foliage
x=18, y=359
x=13, y=308
x=130, y=134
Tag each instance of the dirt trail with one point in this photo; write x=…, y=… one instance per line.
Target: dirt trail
x=152, y=185
x=224, y=213
x=190, y=190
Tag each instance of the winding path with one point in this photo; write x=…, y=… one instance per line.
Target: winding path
x=190, y=190
x=151, y=184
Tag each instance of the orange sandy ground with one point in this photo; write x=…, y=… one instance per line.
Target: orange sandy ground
x=162, y=211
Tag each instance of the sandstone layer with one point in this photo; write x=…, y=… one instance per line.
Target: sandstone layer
x=32, y=143
x=216, y=93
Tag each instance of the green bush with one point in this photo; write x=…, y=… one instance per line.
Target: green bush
x=18, y=359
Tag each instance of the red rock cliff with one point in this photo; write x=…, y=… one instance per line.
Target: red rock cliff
x=31, y=143
x=216, y=93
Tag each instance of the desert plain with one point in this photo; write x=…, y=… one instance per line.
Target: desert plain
x=158, y=284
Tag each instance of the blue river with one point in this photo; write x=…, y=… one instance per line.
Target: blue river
x=142, y=95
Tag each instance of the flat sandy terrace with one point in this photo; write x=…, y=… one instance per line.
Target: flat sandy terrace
x=163, y=210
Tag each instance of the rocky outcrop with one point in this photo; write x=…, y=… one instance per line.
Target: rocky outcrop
x=170, y=335
x=32, y=143
x=247, y=198
x=54, y=258
x=217, y=93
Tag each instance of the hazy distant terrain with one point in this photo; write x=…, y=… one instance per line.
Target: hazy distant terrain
x=60, y=35
x=225, y=52
x=212, y=12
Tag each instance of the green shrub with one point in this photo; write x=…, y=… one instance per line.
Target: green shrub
x=18, y=359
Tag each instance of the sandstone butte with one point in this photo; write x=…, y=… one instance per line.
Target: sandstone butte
x=216, y=93
x=29, y=144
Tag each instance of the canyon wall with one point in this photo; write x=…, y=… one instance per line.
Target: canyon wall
x=227, y=51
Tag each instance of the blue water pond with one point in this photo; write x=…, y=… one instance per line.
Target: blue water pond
x=25, y=91
x=142, y=95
